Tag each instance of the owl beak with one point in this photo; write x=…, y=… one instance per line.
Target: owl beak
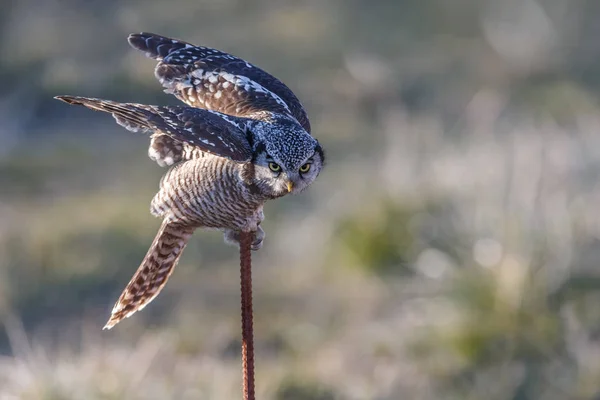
x=290, y=186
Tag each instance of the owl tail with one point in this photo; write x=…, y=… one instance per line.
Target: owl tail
x=153, y=273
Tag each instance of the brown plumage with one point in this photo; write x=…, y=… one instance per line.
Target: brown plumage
x=247, y=142
x=153, y=273
x=205, y=192
x=211, y=79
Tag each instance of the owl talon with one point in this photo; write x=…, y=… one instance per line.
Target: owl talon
x=233, y=237
x=259, y=237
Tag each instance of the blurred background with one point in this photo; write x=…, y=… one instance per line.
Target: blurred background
x=450, y=250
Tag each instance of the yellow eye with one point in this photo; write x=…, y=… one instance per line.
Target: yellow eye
x=274, y=167
x=305, y=168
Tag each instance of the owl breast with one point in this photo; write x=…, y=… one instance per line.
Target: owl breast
x=208, y=192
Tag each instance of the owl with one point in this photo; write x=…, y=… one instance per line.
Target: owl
x=241, y=139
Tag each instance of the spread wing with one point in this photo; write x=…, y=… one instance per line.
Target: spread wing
x=178, y=132
x=211, y=79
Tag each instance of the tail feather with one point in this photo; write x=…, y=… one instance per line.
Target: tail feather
x=156, y=46
x=153, y=273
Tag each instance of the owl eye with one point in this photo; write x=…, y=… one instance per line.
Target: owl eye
x=274, y=167
x=305, y=168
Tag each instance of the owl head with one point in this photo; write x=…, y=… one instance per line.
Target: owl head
x=285, y=158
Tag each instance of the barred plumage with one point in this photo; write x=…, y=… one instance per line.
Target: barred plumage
x=153, y=273
x=192, y=193
x=248, y=142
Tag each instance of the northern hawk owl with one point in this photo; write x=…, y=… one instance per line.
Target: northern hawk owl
x=243, y=138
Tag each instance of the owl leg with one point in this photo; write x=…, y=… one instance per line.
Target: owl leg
x=232, y=236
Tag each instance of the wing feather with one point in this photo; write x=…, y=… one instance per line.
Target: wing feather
x=206, y=130
x=211, y=79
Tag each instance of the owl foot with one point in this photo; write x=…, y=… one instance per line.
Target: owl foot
x=233, y=237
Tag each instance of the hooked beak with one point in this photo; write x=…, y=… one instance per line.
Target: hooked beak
x=290, y=186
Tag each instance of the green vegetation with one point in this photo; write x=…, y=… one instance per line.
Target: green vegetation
x=448, y=251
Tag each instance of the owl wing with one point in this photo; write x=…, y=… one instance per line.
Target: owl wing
x=176, y=129
x=211, y=79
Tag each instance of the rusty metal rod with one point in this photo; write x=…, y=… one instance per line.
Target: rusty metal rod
x=247, y=328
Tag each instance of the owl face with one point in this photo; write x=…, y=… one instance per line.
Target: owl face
x=286, y=158
x=275, y=178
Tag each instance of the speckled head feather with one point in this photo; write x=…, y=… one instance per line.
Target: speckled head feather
x=286, y=141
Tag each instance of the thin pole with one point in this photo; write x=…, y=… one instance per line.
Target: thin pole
x=247, y=328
